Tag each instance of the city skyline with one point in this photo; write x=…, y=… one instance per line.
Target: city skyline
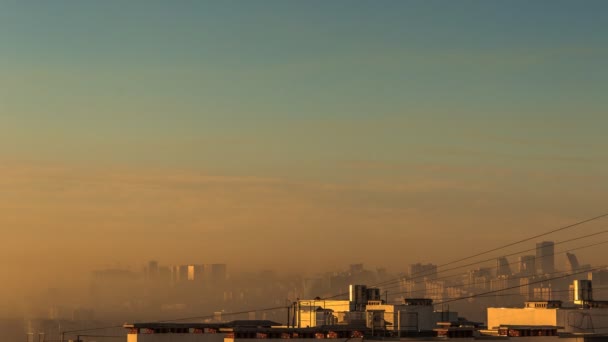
x=160, y=289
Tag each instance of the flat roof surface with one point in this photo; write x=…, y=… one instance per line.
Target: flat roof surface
x=529, y=326
x=232, y=324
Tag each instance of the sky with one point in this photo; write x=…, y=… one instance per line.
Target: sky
x=258, y=132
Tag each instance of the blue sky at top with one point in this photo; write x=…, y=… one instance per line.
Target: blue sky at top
x=160, y=70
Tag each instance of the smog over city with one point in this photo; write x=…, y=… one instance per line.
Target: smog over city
x=221, y=162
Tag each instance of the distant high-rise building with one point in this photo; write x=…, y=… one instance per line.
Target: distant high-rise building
x=545, y=259
x=411, y=288
x=356, y=268
x=311, y=287
x=152, y=269
x=582, y=291
x=502, y=267
x=357, y=295
x=572, y=262
x=478, y=278
x=219, y=272
x=179, y=273
x=191, y=272
x=435, y=290
x=164, y=274
x=543, y=293
x=423, y=270
x=198, y=272
x=527, y=265
x=525, y=289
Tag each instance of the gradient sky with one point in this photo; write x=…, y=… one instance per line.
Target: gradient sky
x=132, y=130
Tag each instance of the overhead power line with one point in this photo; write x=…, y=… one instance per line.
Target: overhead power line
x=518, y=286
x=526, y=239
x=510, y=263
x=573, y=225
x=379, y=284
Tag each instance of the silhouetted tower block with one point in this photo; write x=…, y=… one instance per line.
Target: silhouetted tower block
x=502, y=267
x=423, y=270
x=583, y=292
x=545, y=259
x=373, y=293
x=311, y=287
x=153, y=269
x=572, y=262
x=527, y=265
x=358, y=296
x=219, y=273
x=195, y=273
x=356, y=268
x=179, y=273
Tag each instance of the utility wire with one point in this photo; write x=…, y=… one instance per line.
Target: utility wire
x=518, y=286
x=600, y=288
x=511, y=263
x=526, y=239
x=512, y=254
x=284, y=307
x=512, y=244
x=442, y=265
x=423, y=274
x=490, y=281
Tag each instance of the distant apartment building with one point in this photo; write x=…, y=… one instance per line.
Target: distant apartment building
x=526, y=265
x=213, y=273
x=219, y=273
x=542, y=293
x=179, y=273
x=311, y=287
x=478, y=279
x=419, y=270
x=360, y=295
x=435, y=290
x=545, y=258
x=525, y=289
x=356, y=268
x=411, y=288
x=502, y=267
x=600, y=280
x=152, y=269
x=500, y=284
